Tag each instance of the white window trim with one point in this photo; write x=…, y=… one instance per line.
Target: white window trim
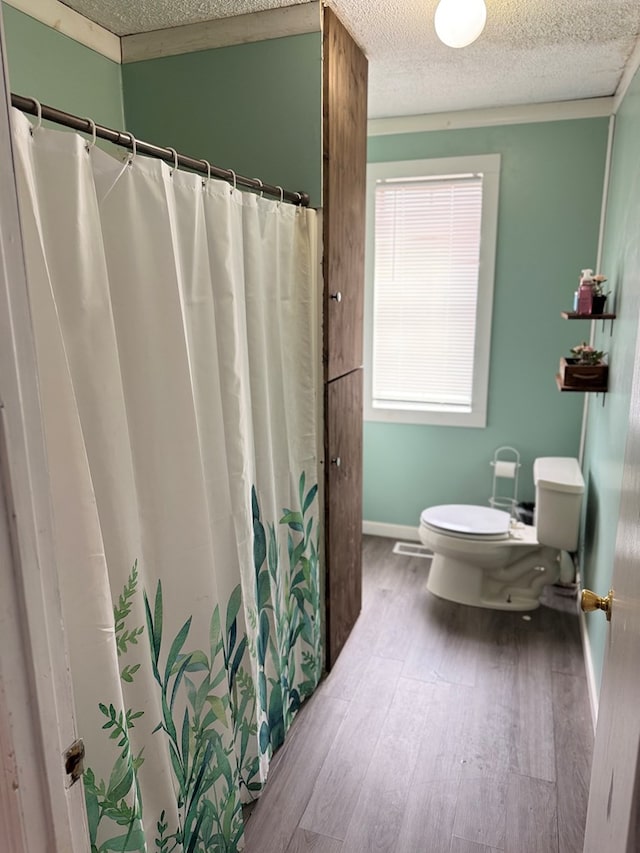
x=489, y=166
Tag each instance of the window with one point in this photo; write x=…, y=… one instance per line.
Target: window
x=431, y=234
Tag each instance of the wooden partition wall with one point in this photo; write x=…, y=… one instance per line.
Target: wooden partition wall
x=344, y=182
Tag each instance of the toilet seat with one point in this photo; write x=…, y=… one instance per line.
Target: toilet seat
x=467, y=521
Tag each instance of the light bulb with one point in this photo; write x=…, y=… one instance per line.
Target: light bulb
x=460, y=22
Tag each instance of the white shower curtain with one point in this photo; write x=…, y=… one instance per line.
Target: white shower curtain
x=176, y=329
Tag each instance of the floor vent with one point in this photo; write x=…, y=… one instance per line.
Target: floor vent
x=412, y=549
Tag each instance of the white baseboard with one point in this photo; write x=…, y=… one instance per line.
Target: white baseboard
x=391, y=531
x=592, y=688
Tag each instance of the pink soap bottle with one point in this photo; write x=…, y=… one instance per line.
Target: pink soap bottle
x=585, y=292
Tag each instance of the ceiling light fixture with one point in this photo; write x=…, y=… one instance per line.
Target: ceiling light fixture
x=460, y=22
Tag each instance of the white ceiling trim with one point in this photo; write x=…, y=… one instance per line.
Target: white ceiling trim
x=633, y=64
x=224, y=32
x=520, y=114
x=240, y=29
x=70, y=23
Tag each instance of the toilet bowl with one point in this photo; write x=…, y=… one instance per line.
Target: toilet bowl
x=485, y=559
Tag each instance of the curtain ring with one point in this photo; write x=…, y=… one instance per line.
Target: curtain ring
x=235, y=184
x=258, y=181
x=38, y=125
x=281, y=194
x=88, y=145
x=299, y=197
x=208, y=165
x=175, y=159
x=134, y=148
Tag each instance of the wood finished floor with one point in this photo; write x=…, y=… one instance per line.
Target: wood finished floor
x=441, y=729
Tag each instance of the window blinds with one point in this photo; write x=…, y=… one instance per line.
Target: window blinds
x=427, y=250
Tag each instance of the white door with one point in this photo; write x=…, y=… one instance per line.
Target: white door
x=39, y=809
x=613, y=818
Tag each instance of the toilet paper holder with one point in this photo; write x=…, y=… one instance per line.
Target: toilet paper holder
x=506, y=466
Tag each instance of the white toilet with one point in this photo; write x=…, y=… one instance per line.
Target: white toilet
x=481, y=557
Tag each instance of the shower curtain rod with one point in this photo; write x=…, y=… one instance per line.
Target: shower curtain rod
x=127, y=140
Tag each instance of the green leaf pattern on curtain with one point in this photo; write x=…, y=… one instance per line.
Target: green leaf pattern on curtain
x=209, y=701
x=287, y=616
x=118, y=801
x=201, y=752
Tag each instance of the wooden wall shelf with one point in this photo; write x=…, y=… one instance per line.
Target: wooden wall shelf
x=590, y=390
x=575, y=315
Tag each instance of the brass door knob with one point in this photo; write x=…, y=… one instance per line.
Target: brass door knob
x=590, y=602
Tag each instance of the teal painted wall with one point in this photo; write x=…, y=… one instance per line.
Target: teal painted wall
x=607, y=425
x=550, y=198
x=60, y=72
x=255, y=108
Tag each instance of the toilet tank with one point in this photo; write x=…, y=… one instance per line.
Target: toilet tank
x=559, y=489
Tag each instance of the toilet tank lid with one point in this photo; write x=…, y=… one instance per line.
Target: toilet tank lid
x=559, y=473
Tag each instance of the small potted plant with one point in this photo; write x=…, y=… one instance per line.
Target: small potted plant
x=585, y=369
x=585, y=354
x=599, y=295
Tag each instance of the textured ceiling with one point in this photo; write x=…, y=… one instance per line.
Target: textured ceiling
x=531, y=51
